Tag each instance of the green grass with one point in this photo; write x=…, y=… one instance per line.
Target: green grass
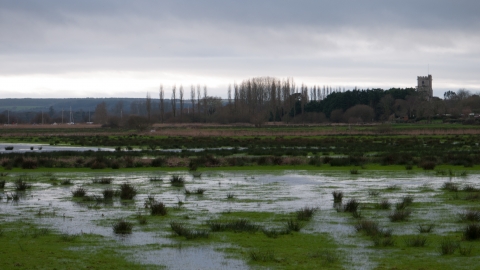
x=52, y=251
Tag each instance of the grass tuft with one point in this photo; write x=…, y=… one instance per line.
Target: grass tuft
x=262, y=256
x=448, y=246
x=416, y=241
x=21, y=184
x=79, y=192
x=127, y=191
x=306, y=213
x=470, y=215
x=122, y=227
x=103, y=180
x=384, y=204
x=472, y=232
x=177, y=180
x=425, y=228
x=337, y=196
x=400, y=215
x=351, y=206
x=108, y=194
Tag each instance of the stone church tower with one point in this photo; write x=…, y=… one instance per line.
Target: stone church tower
x=424, y=85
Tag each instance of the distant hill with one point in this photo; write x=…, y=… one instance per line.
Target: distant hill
x=59, y=104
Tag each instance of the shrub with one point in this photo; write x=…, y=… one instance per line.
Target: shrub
x=127, y=191
x=122, y=227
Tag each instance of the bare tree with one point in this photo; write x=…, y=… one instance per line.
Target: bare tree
x=174, y=100
x=205, y=101
x=192, y=99
x=162, y=104
x=181, y=100
x=229, y=94
x=148, y=106
x=198, y=98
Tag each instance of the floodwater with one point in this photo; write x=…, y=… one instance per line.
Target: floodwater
x=279, y=191
x=29, y=147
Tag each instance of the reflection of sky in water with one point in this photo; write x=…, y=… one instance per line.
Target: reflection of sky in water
x=21, y=148
x=284, y=191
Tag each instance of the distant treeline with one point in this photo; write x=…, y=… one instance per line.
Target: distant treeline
x=256, y=100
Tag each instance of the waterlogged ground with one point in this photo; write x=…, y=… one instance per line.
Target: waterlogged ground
x=268, y=199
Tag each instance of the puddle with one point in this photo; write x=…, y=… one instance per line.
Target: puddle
x=28, y=147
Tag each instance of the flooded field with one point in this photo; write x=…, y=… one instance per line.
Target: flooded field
x=267, y=199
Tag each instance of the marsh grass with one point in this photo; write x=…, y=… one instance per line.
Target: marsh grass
x=158, y=209
x=425, y=228
x=306, y=213
x=416, y=241
x=337, y=196
x=294, y=225
x=65, y=237
x=383, y=241
x=239, y=225
x=384, y=204
x=372, y=228
x=155, y=179
x=66, y=182
x=471, y=232
x=274, y=233
x=79, y=192
x=198, y=191
x=127, y=191
x=108, y=194
x=351, y=206
x=465, y=251
x=122, y=227
x=21, y=184
x=470, y=215
x=450, y=186
x=262, y=256
x=181, y=230
x=2, y=184
x=447, y=246
x=103, y=180
x=177, y=181
x=400, y=215
x=470, y=188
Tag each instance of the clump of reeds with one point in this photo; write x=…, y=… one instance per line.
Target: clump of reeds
x=416, y=241
x=21, y=184
x=177, y=180
x=127, y=191
x=294, y=225
x=262, y=256
x=470, y=215
x=198, y=191
x=399, y=215
x=448, y=246
x=2, y=183
x=450, y=186
x=406, y=201
x=238, y=225
x=351, y=206
x=470, y=188
x=181, y=230
x=274, y=233
x=230, y=195
x=337, y=196
x=425, y=228
x=306, y=213
x=158, y=209
x=472, y=232
x=66, y=182
x=103, y=180
x=108, y=194
x=384, y=204
x=122, y=227
x=79, y=192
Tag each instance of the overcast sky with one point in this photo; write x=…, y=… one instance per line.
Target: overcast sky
x=119, y=48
